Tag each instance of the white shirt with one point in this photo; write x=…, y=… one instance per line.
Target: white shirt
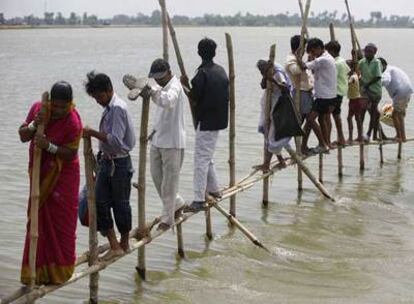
x=294, y=70
x=169, y=123
x=396, y=82
x=324, y=72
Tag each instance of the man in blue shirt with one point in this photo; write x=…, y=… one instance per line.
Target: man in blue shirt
x=113, y=181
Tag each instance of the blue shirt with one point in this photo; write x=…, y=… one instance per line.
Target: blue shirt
x=117, y=125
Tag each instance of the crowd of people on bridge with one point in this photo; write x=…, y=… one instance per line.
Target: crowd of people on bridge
x=322, y=81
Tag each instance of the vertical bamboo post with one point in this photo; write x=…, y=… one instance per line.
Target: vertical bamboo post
x=164, y=29
x=332, y=31
x=35, y=194
x=399, y=151
x=142, y=167
x=381, y=144
x=232, y=128
x=267, y=109
x=321, y=168
x=180, y=242
x=93, y=238
x=361, y=157
x=356, y=47
x=209, y=230
x=301, y=15
x=298, y=140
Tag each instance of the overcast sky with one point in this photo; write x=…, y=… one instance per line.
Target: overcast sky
x=108, y=8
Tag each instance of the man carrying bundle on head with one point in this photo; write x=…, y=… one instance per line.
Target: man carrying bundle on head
x=371, y=88
x=168, y=139
x=210, y=92
x=295, y=71
x=399, y=87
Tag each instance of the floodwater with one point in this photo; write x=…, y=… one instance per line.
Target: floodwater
x=356, y=250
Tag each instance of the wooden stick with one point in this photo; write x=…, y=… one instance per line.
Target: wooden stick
x=267, y=109
x=297, y=81
x=164, y=29
x=332, y=31
x=305, y=170
x=321, y=168
x=381, y=142
x=361, y=158
x=232, y=125
x=35, y=194
x=180, y=242
x=142, y=167
x=93, y=238
x=209, y=231
x=399, y=151
x=340, y=162
x=180, y=61
x=302, y=16
x=356, y=48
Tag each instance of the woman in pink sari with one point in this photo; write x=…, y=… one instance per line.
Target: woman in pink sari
x=59, y=187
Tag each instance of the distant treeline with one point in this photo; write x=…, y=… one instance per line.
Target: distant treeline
x=377, y=19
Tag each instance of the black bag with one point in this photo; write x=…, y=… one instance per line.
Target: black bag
x=285, y=118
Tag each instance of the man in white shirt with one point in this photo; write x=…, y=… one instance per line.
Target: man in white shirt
x=399, y=87
x=168, y=139
x=322, y=64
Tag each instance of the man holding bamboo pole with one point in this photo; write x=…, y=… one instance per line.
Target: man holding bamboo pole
x=210, y=91
x=168, y=139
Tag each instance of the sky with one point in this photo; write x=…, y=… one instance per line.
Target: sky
x=108, y=8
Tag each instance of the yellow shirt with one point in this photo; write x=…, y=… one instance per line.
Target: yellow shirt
x=353, y=87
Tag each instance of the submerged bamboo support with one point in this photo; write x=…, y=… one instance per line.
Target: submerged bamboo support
x=142, y=167
x=93, y=237
x=179, y=60
x=180, y=241
x=239, y=226
x=308, y=173
x=164, y=29
x=267, y=109
x=35, y=194
x=321, y=168
x=232, y=124
x=381, y=143
x=340, y=161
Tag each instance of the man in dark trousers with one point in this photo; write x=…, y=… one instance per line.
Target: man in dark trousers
x=210, y=95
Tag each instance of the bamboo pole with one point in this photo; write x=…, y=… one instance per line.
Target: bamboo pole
x=35, y=194
x=399, y=151
x=93, y=238
x=180, y=242
x=302, y=15
x=361, y=158
x=268, y=106
x=164, y=29
x=332, y=31
x=321, y=168
x=305, y=170
x=180, y=61
x=143, y=142
x=298, y=140
x=232, y=127
x=381, y=143
x=356, y=47
x=209, y=230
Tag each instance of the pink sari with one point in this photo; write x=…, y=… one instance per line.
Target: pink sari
x=58, y=204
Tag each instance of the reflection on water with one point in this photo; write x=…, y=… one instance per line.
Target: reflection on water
x=356, y=250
